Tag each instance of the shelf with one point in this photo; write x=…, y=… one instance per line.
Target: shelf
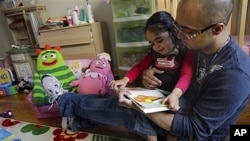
x=134, y=18
x=130, y=8
x=133, y=44
x=130, y=31
x=17, y=27
x=124, y=68
x=128, y=57
x=14, y=14
x=129, y=18
x=19, y=24
x=22, y=38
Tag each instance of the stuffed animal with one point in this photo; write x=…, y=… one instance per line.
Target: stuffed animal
x=24, y=86
x=96, y=78
x=50, y=61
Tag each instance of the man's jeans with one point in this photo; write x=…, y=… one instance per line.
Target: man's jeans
x=106, y=110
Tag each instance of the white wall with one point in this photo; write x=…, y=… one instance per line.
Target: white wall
x=57, y=8
x=5, y=36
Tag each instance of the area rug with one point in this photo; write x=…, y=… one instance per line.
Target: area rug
x=15, y=130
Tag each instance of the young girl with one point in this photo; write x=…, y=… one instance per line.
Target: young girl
x=168, y=55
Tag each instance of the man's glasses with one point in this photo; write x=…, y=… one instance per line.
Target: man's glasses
x=190, y=33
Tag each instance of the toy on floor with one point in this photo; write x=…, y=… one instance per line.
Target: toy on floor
x=24, y=86
x=96, y=78
x=6, y=114
x=50, y=61
x=6, y=76
x=5, y=135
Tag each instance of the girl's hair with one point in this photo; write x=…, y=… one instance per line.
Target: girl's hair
x=161, y=21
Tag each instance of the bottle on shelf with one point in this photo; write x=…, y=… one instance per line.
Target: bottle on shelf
x=75, y=18
x=69, y=20
x=69, y=17
x=77, y=11
x=69, y=11
x=90, y=13
x=83, y=16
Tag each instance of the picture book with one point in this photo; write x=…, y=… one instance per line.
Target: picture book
x=148, y=101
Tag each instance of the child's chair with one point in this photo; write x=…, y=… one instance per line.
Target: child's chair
x=44, y=111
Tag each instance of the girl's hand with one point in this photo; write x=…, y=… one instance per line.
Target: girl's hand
x=115, y=84
x=172, y=100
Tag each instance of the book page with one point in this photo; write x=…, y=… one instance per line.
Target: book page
x=147, y=98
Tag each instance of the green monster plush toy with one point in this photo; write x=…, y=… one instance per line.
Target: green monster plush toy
x=50, y=61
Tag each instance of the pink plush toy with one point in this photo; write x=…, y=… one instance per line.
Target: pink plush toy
x=96, y=78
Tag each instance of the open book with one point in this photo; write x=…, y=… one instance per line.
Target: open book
x=148, y=101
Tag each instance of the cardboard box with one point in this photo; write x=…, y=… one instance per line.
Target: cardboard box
x=20, y=57
x=23, y=64
x=24, y=69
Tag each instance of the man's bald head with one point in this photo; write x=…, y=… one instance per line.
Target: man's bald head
x=208, y=11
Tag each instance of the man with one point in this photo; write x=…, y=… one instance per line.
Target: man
x=220, y=89
x=218, y=93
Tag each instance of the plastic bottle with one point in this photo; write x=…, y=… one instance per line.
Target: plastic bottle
x=77, y=11
x=83, y=16
x=75, y=18
x=69, y=18
x=90, y=13
x=69, y=11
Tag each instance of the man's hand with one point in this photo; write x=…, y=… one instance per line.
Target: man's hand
x=123, y=95
x=149, y=80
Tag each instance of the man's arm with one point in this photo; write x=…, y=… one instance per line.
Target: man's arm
x=149, y=80
x=219, y=105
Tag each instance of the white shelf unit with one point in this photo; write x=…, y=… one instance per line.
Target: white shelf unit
x=129, y=18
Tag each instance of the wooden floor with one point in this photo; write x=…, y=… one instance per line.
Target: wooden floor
x=22, y=111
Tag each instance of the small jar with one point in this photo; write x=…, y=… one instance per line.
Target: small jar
x=69, y=20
